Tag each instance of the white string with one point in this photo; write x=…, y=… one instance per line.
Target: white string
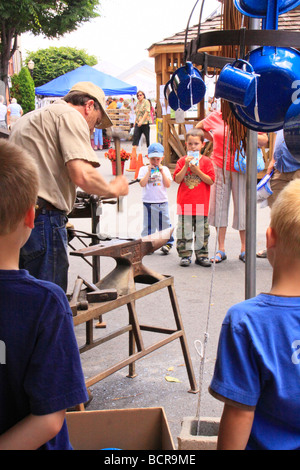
x=191, y=91
x=202, y=352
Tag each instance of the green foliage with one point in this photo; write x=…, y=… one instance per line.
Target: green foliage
x=23, y=89
x=55, y=61
x=52, y=18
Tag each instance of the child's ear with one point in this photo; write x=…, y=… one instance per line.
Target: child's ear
x=29, y=217
x=271, y=237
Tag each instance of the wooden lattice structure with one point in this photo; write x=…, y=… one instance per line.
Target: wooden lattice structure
x=120, y=118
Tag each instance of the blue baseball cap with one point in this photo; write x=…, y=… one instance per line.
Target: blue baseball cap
x=155, y=150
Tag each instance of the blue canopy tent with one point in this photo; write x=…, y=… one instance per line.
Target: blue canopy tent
x=60, y=86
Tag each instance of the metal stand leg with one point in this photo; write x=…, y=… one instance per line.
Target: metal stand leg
x=183, y=340
x=134, y=338
x=137, y=349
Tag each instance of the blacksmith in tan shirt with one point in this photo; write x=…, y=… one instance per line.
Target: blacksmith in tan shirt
x=58, y=137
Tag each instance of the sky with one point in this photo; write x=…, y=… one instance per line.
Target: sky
x=126, y=29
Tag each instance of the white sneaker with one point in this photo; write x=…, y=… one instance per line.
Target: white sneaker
x=185, y=261
x=166, y=248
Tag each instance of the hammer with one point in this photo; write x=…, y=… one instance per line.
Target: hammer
x=75, y=304
x=99, y=295
x=117, y=134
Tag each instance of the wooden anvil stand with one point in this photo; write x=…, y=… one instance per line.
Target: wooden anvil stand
x=130, y=270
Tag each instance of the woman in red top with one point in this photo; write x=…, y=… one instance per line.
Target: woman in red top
x=228, y=181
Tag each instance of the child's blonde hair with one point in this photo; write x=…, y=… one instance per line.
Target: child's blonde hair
x=19, y=185
x=195, y=133
x=285, y=218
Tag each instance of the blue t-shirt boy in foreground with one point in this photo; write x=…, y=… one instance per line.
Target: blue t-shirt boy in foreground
x=40, y=369
x=257, y=372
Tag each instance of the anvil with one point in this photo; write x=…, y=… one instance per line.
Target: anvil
x=128, y=256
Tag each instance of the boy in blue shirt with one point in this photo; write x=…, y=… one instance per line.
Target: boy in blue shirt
x=40, y=369
x=257, y=372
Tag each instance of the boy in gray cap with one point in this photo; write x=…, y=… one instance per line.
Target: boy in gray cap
x=155, y=179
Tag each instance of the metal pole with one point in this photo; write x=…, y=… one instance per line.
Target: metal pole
x=251, y=175
x=251, y=182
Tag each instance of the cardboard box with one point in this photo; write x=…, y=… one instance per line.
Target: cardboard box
x=126, y=429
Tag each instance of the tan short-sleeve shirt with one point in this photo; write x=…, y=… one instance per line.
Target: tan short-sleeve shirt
x=55, y=135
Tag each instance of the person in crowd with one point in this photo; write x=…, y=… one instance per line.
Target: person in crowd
x=40, y=367
x=98, y=139
x=141, y=127
x=120, y=103
x=3, y=113
x=286, y=168
x=132, y=116
x=58, y=137
x=152, y=113
x=228, y=182
x=257, y=371
x=155, y=179
x=111, y=103
x=14, y=112
x=195, y=174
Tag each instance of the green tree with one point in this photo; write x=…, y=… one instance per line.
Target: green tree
x=23, y=89
x=52, y=18
x=56, y=61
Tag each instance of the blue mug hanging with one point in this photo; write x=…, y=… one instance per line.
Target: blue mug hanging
x=235, y=84
x=172, y=98
x=188, y=85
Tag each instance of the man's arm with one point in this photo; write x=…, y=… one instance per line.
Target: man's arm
x=235, y=428
x=84, y=175
x=32, y=432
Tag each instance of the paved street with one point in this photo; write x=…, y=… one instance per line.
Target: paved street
x=200, y=291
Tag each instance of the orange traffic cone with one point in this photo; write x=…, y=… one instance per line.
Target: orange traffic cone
x=139, y=164
x=133, y=160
